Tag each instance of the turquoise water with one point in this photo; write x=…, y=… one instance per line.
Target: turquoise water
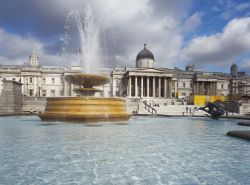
x=147, y=150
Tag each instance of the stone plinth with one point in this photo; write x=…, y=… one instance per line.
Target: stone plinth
x=11, y=99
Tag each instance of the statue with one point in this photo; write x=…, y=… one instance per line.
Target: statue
x=215, y=110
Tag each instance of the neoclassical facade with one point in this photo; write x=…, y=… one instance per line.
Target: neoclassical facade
x=146, y=81
x=142, y=81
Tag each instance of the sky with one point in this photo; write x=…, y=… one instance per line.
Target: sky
x=212, y=34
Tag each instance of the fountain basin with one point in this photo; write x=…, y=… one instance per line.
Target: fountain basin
x=87, y=80
x=85, y=109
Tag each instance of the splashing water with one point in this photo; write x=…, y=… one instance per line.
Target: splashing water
x=89, y=52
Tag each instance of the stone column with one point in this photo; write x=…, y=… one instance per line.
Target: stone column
x=215, y=88
x=71, y=90
x=129, y=86
x=170, y=88
x=34, y=86
x=159, y=87
x=211, y=88
x=197, y=89
x=175, y=88
x=65, y=88
x=165, y=88
x=153, y=87
x=147, y=86
x=136, y=88
x=203, y=88
x=141, y=86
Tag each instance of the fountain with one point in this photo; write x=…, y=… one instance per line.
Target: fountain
x=86, y=107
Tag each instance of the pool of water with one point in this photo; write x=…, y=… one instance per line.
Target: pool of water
x=146, y=150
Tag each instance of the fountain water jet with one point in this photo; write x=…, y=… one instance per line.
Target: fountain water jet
x=86, y=108
x=89, y=38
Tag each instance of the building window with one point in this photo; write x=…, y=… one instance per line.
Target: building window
x=177, y=84
x=61, y=93
x=44, y=93
x=30, y=92
x=228, y=86
x=183, y=94
x=44, y=80
x=53, y=80
x=31, y=80
x=53, y=93
x=191, y=84
x=221, y=86
x=184, y=85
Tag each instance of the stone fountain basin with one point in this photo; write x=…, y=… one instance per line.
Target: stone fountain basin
x=87, y=80
x=85, y=109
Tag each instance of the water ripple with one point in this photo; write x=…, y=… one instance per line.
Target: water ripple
x=146, y=150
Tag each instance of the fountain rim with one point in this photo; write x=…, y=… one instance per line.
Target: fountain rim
x=86, y=98
x=87, y=79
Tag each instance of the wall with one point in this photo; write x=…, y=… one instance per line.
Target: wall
x=11, y=99
x=34, y=104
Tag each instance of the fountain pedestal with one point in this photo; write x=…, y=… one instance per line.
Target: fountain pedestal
x=85, y=108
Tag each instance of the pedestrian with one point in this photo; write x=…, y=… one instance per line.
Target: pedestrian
x=186, y=109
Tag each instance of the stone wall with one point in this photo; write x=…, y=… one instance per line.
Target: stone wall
x=34, y=104
x=245, y=107
x=11, y=99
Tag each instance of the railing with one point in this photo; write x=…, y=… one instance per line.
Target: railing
x=149, y=108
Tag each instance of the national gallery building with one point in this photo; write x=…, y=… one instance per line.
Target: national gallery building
x=143, y=81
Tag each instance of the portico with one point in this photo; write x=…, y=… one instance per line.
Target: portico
x=153, y=85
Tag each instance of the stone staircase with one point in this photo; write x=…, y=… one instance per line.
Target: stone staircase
x=178, y=110
x=139, y=107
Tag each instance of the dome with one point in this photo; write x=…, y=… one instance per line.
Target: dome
x=145, y=54
x=234, y=70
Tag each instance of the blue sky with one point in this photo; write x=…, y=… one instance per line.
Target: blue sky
x=210, y=34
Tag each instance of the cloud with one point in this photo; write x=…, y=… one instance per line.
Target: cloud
x=192, y=22
x=124, y=27
x=220, y=48
x=230, y=8
x=16, y=49
x=242, y=6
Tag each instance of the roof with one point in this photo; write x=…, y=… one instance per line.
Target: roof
x=145, y=54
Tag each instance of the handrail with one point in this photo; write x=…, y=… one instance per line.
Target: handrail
x=149, y=108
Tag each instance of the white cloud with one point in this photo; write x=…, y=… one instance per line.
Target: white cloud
x=192, y=22
x=220, y=48
x=242, y=6
x=125, y=27
x=129, y=24
x=230, y=8
x=16, y=50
